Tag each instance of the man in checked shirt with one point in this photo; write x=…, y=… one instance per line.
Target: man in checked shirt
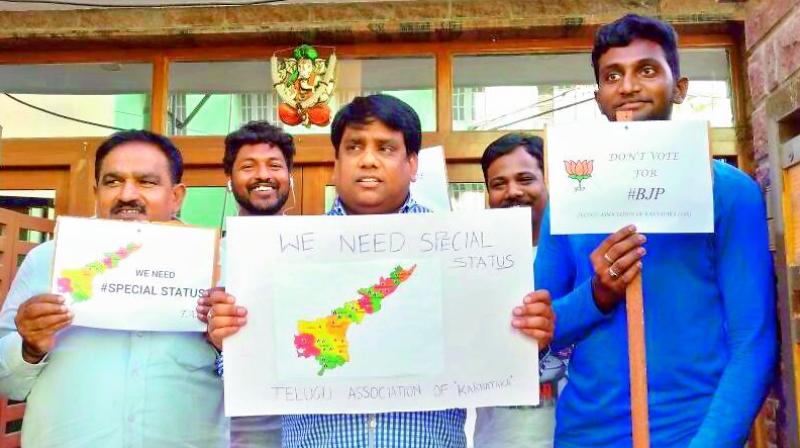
x=376, y=141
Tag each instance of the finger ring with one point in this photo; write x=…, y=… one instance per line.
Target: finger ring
x=210, y=314
x=607, y=258
x=613, y=273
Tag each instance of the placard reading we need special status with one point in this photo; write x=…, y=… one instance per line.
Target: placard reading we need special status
x=133, y=275
x=380, y=313
x=654, y=174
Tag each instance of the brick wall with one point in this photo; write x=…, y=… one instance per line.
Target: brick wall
x=772, y=41
x=772, y=32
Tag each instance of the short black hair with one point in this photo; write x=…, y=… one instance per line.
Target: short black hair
x=624, y=30
x=253, y=133
x=392, y=112
x=164, y=144
x=533, y=145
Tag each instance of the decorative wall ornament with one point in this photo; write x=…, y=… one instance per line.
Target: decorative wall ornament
x=304, y=81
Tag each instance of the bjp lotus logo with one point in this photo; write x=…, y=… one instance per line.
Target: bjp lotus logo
x=579, y=170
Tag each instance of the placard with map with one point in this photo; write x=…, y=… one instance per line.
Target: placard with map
x=359, y=314
x=133, y=275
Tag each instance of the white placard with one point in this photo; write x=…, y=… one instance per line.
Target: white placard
x=653, y=174
x=430, y=186
x=132, y=275
x=381, y=313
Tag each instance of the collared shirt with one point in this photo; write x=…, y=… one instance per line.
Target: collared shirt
x=434, y=429
x=710, y=329
x=103, y=388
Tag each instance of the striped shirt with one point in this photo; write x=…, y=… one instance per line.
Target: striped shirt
x=434, y=429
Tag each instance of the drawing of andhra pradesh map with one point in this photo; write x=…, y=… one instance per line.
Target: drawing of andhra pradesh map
x=389, y=325
x=79, y=282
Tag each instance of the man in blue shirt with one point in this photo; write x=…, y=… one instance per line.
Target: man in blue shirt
x=376, y=141
x=709, y=298
x=99, y=388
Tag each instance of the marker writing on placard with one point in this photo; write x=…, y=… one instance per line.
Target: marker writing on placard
x=303, y=242
x=485, y=386
x=310, y=393
x=497, y=262
x=372, y=243
x=439, y=389
x=384, y=392
x=443, y=241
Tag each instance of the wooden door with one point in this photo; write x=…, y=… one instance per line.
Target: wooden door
x=783, y=216
x=12, y=251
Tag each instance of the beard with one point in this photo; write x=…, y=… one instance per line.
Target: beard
x=244, y=202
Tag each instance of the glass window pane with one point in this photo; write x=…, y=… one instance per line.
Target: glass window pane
x=214, y=98
x=113, y=95
x=467, y=195
x=516, y=92
x=330, y=196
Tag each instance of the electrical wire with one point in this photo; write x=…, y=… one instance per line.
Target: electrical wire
x=129, y=5
x=523, y=108
x=567, y=106
x=56, y=114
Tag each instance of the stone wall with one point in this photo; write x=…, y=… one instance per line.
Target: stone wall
x=343, y=22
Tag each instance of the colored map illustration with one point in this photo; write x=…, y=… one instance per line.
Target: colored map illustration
x=78, y=282
x=325, y=339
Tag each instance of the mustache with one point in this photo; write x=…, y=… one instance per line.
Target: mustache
x=136, y=205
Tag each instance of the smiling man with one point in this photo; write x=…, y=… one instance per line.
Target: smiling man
x=90, y=388
x=513, y=170
x=376, y=140
x=258, y=162
x=708, y=298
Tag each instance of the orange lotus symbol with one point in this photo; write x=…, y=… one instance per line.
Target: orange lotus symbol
x=579, y=170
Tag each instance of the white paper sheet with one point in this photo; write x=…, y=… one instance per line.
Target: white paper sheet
x=654, y=174
x=132, y=276
x=442, y=337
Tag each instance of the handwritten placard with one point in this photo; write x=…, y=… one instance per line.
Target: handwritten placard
x=132, y=275
x=654, y=174
x=379, y=313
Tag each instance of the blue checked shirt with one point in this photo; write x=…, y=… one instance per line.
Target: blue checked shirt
x=435, y=429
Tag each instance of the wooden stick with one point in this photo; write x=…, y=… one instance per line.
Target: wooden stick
x=637, y=352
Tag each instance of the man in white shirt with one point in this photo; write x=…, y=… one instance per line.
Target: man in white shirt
x=99, y=388
x=513, y=169
x=258, y=162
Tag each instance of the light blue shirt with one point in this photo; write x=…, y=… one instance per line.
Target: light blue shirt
x=101, y=388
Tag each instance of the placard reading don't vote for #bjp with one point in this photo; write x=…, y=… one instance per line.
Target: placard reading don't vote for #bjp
x=654, y=174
